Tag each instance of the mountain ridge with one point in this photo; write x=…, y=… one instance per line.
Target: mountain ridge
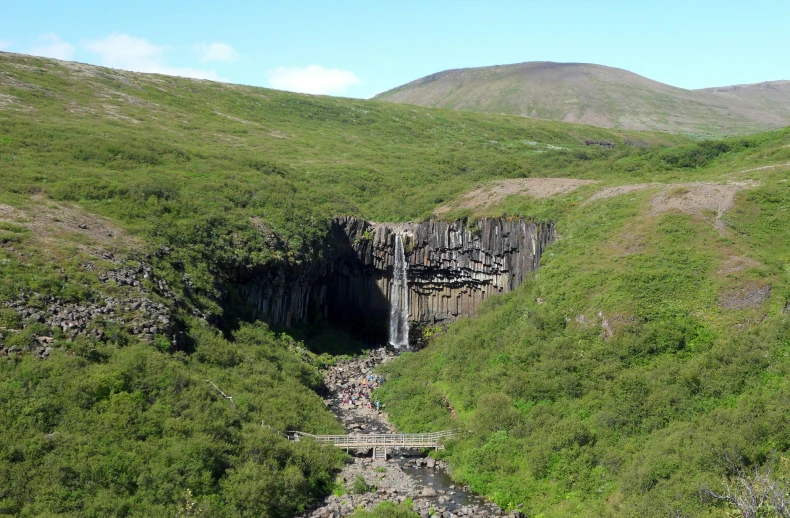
x=602, y=96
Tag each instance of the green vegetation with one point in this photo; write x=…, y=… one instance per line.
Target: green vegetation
x=360, y=486
x=209, y=182
x=222, y=178
x=389, y=510
x=228, y=178
x=339, y=489
x=105, y=429
x=571, y=415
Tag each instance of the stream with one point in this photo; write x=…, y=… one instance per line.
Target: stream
x=406, y=473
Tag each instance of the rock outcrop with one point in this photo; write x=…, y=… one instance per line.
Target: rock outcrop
x=452, y=269
x=133, y=309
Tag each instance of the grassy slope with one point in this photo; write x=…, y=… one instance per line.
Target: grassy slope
x=185, y=164
x=568, y=422
x=601, y=96
x=370, y=158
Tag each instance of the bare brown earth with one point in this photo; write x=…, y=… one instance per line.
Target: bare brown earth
x=601, y=96
x=55, y=225
x=745, y=297
x=493, y=193
x=736, y=264
x=709, y=200
x=697, y=198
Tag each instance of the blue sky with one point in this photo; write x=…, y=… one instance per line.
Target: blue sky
x=358, y=49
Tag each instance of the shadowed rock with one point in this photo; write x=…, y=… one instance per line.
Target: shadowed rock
x=452, y=268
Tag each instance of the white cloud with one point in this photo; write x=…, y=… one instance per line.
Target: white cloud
x=138, y=55
x=124, y=51
x=4, y=45
x=314, y=79
x=216, y=52
x=51, y=46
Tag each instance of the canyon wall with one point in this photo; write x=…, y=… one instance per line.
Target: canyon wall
x=452, y=269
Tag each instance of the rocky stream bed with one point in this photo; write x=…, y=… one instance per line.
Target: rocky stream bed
x=405, y=473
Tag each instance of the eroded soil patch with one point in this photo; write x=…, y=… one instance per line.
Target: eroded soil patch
x=55, y=224
x=701, y=199
x=698, y=197
x=745, y=297
x=493, y=193
x=736, y=264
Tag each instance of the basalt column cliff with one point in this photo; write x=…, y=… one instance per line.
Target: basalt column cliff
x=452, y=269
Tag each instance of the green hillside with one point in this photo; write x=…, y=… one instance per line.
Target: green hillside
x=601, y=96
x=189, y=184
x=186, y=164
x=651, y=346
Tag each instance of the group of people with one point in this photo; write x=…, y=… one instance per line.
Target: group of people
x=358, y=394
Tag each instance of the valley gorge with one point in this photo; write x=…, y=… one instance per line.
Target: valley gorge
x=450, y=269
x=406, y=473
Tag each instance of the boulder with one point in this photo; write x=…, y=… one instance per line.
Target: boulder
x=427, y=491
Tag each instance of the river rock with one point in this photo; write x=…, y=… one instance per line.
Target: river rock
x=394, y=483
x=427, y=491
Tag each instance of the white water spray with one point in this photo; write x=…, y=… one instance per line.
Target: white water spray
x=399, y=299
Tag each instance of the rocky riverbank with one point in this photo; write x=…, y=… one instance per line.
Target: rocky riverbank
x=405, y=474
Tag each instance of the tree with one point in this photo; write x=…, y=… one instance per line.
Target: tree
x=753, y=491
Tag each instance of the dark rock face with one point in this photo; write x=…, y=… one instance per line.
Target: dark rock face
x=452, y=268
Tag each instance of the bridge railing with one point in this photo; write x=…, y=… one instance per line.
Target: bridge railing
x=402, y=440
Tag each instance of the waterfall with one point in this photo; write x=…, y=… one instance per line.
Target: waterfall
x=399, y=299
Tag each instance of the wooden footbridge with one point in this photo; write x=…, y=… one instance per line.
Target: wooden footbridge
x=381, y=443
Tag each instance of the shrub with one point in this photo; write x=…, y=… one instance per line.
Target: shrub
x=360, y=486
x=389, y=510
x=10, y=319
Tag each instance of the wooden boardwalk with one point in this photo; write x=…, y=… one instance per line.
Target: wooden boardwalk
x=379, y=441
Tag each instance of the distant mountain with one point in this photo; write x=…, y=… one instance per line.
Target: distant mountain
x=601, y=96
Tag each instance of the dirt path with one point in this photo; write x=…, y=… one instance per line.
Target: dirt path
x=702, y=199
x=766, y=167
